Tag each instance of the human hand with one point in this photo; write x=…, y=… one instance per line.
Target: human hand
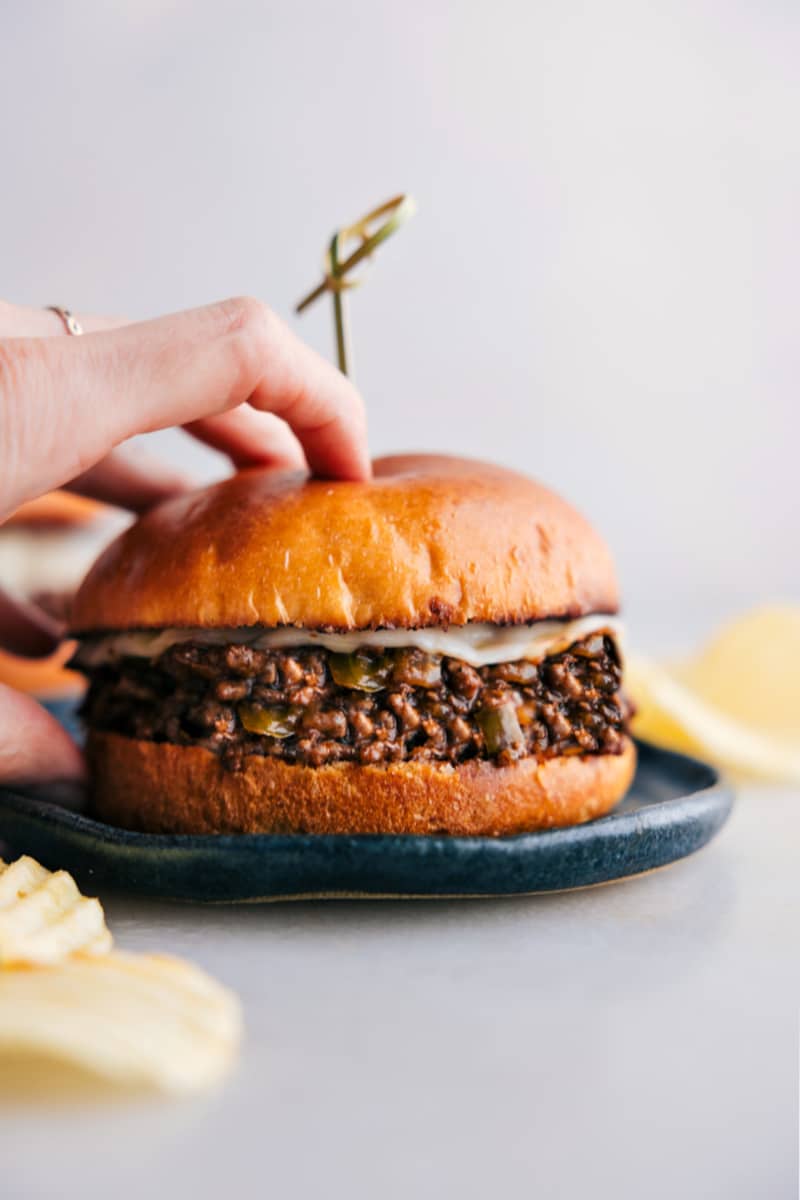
x=232, y=374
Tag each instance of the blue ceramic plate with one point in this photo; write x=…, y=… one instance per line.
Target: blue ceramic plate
x=676, y=804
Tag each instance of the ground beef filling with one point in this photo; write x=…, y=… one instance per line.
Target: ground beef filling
x=314, y=707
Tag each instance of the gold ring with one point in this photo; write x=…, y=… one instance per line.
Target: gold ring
x=73, y=326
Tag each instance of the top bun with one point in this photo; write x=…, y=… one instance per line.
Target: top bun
x=428, y=541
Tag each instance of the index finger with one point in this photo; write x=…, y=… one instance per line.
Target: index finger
x=206, y=361
x=76, y=398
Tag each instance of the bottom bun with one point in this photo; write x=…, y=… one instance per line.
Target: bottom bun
x=160, y=788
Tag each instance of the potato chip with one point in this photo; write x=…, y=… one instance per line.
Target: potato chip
x=706, y=707
x=751, y=672
x=140, y=1020
x=44, y=918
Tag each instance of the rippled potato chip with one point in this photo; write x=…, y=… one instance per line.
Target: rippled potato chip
x=737, y=702
x=44, y=918
x=751, y=672
x=145, y=1021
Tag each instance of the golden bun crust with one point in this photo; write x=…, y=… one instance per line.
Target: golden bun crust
x=161, y=788
x=428, y=541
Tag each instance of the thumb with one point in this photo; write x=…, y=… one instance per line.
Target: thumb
x=34, y=748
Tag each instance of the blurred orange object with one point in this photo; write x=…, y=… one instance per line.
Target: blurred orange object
x=57, y=510
x=46, y=547
x=46, y=677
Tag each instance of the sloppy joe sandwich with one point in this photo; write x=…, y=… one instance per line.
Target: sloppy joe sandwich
x=433, y=651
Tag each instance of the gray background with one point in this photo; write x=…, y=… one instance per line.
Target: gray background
x=602, y=284
x=601, y=287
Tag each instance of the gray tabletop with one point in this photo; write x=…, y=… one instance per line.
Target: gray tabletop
x=628, y=1040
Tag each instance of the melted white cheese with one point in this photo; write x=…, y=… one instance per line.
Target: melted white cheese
x=478, y=644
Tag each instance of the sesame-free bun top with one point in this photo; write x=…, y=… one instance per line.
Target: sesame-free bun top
x=430, y=540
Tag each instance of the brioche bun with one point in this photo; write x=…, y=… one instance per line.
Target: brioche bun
x=429, y=541
x=162, y=788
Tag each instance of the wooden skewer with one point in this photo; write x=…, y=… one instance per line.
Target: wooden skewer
x=398, y=209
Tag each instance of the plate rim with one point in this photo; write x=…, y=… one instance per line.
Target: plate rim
x=265, y=868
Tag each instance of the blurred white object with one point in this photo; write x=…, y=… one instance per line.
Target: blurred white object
x=47, y=546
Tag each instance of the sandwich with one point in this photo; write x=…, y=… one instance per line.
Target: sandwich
x=434, y=651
